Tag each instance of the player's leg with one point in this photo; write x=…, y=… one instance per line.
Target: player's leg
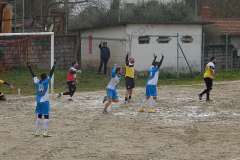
x=204, y=91
x=130, y=86
x=73, y=89
x=45, y=125
x=130, y=94
x=67, y=92
x=115, y=97
x=105, y=66
x=100, y=66
x=43, y=109
x=2, y=97
x=209, y=84
x=131, y=89
x=112, y=97
x=38, y=124
x=109, y=102
x=69, y=84
x=154, y=95
x=148, y=92
x=127, y=92
x=151, y=91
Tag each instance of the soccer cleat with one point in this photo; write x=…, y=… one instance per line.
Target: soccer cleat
x=2, y=98
x=45, y=133
x=104, y=99
x=141, y=110
x=70, y=99
x=200, y=97
x=37, y=133
x=209, y=100
x=59, y=95
x=105, y=111
x=152, y=110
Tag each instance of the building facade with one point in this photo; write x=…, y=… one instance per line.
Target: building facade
x=142, y=41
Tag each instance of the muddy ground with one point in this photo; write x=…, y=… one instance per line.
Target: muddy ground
x=182, y=128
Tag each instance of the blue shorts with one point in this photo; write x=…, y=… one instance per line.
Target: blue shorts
x=42, y=108
x=112, y=94
x=151, y=90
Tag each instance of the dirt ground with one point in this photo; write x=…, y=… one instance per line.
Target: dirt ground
x=182, y=128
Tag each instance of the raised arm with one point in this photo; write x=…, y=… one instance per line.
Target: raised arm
x=154, y=59
x=52, y=70
x=4, y=82
x=126, y=60
x=100, y=45
x=160, y=63
x=30, y=70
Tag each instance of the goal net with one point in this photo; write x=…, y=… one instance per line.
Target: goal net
x=18, y=49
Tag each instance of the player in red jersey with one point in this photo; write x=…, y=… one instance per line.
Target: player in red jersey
x=71, y=80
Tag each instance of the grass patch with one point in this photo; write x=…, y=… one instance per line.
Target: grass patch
x=90, y=81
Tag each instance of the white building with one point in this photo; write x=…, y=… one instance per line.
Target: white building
x=142, y=41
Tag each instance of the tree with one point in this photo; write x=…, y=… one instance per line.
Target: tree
x=150, y=12
x=219, y=8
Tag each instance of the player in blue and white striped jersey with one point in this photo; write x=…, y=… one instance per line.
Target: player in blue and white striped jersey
x=42, y=100
x=112, y=94
x=151, y=87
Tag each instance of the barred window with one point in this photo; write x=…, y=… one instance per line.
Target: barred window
x=143, y=40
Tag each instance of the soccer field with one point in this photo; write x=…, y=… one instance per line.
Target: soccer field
x=182, y=128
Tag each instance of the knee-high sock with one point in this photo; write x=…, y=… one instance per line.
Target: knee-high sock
x=152, y=102
x=45, y=124
x=38, y=123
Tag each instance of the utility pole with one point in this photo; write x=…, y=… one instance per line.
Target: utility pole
x=23, y=15
x=196, y=8
x=226, y=51
x=119, y=11
x=15, y=15
x=66, y=15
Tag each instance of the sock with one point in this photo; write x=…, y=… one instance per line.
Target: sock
x=129, y=97
x=38, y=123
x=45, y=124
x=152, y=102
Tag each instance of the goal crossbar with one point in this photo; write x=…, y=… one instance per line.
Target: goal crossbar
x=37, y=34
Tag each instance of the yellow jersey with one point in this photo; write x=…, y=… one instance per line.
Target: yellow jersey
x=1, y=81
x=130, y=72
x=209, y=70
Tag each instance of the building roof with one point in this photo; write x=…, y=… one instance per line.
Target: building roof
x=229, y=26
x=129, y=23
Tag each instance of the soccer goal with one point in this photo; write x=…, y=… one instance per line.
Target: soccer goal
x=37, y=48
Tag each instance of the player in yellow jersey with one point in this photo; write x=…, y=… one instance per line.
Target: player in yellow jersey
x=208, y=78
x=129, y=78
x=2, y=97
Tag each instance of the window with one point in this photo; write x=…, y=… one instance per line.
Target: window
x=187, y=39
x=163, y=39
x=143, y=40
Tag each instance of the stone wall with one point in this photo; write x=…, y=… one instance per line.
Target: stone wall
x=36, y=50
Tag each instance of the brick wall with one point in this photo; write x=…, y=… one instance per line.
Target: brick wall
x=37, y=52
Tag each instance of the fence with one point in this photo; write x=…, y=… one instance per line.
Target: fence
x=17, y=51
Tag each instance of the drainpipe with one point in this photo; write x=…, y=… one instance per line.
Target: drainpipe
x=226, y=52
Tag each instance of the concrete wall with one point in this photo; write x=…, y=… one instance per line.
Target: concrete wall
x=37, y=52
x=143, y=53
x=116, y=39
x=124, y=39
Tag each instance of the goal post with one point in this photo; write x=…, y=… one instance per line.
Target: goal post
x=51, y=34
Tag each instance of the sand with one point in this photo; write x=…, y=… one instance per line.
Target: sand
x=183, y=128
